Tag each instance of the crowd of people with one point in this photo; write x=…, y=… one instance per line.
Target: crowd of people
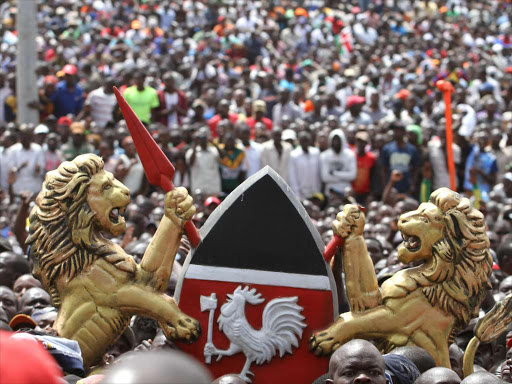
x=338, y=97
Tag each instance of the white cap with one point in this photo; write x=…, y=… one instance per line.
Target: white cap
x=41, y=128
x=288, y=134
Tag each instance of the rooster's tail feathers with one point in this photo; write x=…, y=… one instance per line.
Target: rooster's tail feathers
x=283, y=322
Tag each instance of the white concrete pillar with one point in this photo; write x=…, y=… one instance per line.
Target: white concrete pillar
x=26, y=61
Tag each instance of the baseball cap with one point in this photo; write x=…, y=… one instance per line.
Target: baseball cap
x=77, y=128
x=22, y=321
x=354, y=100
x=64, y=120
x=259, y=105
x=289, y=134
x=363, y=136
x=507, y=176
x=69, y=69
x=41, y=128
x=211, y=200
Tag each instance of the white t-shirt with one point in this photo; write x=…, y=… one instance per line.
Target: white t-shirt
x=102, y=106
x=135, y=176
x=27, y=177
x=252, y=161
x=4, y=93
x=171, y=99
x=204, y=174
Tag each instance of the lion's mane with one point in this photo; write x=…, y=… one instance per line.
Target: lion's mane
x=461, y=262
x=62, y=238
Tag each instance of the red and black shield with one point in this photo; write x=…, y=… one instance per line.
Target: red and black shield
x=259, y=286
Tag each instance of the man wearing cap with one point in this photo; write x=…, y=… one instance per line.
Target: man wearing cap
x=354, y=113
x=77, y=145
x=68, y=97
x=26, y=162
x=259, y=108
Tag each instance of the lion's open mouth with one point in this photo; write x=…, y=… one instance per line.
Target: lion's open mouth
x=412, y=243
x=116, y=214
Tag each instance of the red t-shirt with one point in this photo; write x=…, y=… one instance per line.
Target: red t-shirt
x=212, y=123
x=251, y=122
x=365, y=163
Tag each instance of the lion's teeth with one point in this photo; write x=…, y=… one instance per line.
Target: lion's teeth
x=115, y=211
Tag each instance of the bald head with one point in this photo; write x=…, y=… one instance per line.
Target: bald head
x=158, y=367
x=481, y=378
x=229, y=379
x=438, y=375
x=34, y=298
x=12, y=266
x=357, y=361
x=24, y=283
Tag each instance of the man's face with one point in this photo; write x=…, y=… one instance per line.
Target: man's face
x=11, y=267
x=361, y=145
x=4, y=320
x=8, y=302
x=336, y=144
x=69, y=79
x=398, y=134
x=139, y=81
x=506, y=285
x=359, y=368
x=304, y=141
x=34, y=298
x=24, y=283
x=507, y=187
x=77, y=139
x=45, y=322
x=276, y=135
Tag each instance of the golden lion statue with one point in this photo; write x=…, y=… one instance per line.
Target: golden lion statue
x=424, y=305
x=94, y=283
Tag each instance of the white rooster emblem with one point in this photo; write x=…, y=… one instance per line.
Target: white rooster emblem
x=282, y=328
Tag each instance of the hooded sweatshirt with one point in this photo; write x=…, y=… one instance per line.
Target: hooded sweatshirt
x=338, y=170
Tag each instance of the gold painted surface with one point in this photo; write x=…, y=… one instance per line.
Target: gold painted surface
x=423, y=305
x=488, y=329
x=94, y=283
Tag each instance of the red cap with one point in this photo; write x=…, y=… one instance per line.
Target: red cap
x=353, y=100
x=69, y=69
x=50, y=79
x=509, y=344
x=64, y=120
x=403, y=94
x=22, y=321
x=211, y=200
x=42, y=368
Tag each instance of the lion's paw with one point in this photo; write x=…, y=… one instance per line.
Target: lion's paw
x=179, y=206
x=185, y=328
x=348, y=222
x=323, y=343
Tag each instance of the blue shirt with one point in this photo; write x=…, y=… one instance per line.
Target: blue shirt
x=487, y=163
x=66, y=102
x=403, y=159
